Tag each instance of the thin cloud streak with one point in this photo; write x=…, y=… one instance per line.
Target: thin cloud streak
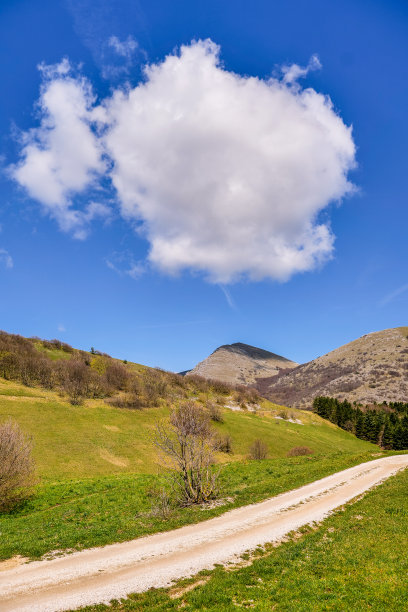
x=394, y=294
x=228, y=297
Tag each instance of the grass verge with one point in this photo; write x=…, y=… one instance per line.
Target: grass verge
x=94, y=512
x=354, y=560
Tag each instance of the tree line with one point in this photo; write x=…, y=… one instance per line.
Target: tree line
x=383, y=424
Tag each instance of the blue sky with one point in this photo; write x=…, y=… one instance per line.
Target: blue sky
x=251, y=267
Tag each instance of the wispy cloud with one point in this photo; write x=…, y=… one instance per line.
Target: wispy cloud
x=5, y=259
x=228, y=297
x=293, y=72
x=124, y=264
x=390, y=297
x=121, y=56
x=61, y=328
x=100, y=24
x=124, y=48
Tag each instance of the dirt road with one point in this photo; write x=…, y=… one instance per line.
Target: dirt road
x=100, y=574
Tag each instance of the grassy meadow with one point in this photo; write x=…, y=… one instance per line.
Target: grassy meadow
x=96, y=439
x=77, y=514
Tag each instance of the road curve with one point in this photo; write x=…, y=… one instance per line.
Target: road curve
x=98, y=575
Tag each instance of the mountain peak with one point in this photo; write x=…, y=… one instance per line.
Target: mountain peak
x=240, y=363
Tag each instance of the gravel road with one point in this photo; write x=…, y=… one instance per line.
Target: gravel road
x=98, y=575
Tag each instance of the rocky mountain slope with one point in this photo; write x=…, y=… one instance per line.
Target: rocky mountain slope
x=373, y=368
x=242, y=364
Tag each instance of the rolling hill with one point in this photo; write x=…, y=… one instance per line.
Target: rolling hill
x=242, y=364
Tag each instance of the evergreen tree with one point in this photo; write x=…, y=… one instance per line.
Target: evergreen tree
x=387, y=440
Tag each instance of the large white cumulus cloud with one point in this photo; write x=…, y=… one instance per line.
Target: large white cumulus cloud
x=227, y=174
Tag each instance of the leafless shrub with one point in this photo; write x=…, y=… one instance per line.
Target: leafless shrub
x=57, y=344
x=200, y=383
x=223, y=443
x=153, y=387
x=214, y=412
x=283, y=414
x=161, y=502
x=187, y=441
x=97, y=385
x=127, y=400
x=75, y=379
x=246, y=395
x=258, y=449
x=252, y=396
x=116, y=375
x=239, y=396
x=177, y=380
x=16, y=466
x=298, y=451
x=220, y=387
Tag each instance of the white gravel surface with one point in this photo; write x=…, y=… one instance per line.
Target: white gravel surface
x=99, y=575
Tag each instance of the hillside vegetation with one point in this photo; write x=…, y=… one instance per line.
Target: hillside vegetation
x=79, y=375
x=97, y=438
x=373, y=368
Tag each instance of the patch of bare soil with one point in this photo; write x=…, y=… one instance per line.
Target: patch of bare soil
x=9, y=564
x=113, y=459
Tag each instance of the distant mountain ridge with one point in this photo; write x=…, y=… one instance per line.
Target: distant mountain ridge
x=241, y=363
x=373, y=368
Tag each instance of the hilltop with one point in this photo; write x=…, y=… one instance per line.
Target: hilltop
x=373, y=368
x=242, y=364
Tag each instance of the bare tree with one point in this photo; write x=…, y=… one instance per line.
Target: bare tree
x=188, y=442
x=16, y=466
x=258, y=449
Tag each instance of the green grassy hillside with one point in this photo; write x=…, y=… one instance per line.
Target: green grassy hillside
x=96, y=439
x=98, y=466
